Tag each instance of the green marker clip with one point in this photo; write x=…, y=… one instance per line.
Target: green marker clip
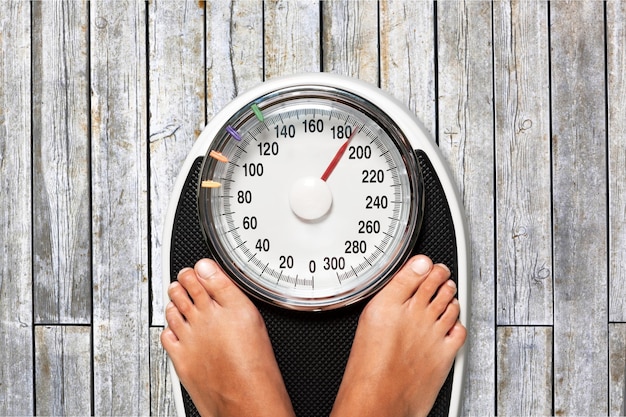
x=257, y=112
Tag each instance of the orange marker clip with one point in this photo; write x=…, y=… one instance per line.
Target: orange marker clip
x=218, y=155
x=210, y=184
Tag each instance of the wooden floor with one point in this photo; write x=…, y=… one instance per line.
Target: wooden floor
x=101, y=101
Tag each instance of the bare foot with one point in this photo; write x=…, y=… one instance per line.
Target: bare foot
x=404, y=346
x=218, y=343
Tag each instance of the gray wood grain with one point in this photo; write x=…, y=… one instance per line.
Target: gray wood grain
x=62, y=242
x=247, y=44
x=234, y=50
x=616, y=71
x=465, y=79
x=524, y=371
x=119, y=192
x=16, y=338
x=579, y=208
x=350, y=39
x=62, y=369
x=523, y=190
x=617, y=370
x=177, y=112
x=407, y=56
x=292, y=37
x=161, y=400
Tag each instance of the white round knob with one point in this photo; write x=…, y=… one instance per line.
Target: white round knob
x=310, y=198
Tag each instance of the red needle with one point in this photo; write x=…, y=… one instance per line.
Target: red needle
x=340, y=152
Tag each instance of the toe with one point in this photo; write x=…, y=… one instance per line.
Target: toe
x=189, y=280
x=444, y=296
x=427, y=290
x=450, y=316
x=174, y=318
x=180, y=298
x=406, y=282
x=221, y=289
x=168, y=339
x=455, y=337
x=457, y=334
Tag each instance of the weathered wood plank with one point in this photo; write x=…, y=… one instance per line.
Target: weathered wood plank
x=247, y=44
x=62, y=369
x=617, y=376
x=161, y=399
x=292, y=37
x=465, y=78
x=616, y=70
x=177, y=112
x=522, y=121
x=62, y=218
x=119, y=188
x=350, y=39
x=579, y=208
x=234, y=50
x=407, y=56
x=16, y=337
x=524, y=371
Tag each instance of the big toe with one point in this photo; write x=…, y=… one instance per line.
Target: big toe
x=217, y=284
x=408, y=279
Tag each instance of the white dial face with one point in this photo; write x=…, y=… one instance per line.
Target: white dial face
x=310, y=203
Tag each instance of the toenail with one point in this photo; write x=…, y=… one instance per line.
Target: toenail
x=183, y=271
x=444, y=266
x=452, y=284
x=421, y=265
x=205, y=268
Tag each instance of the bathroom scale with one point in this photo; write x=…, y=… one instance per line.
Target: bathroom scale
x=311, y=191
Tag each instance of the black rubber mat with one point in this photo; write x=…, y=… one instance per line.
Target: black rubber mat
x=312, y=348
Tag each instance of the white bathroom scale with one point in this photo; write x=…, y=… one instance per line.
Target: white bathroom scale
x=311, y=191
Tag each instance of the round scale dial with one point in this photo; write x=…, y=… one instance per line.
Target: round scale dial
x=310, y=197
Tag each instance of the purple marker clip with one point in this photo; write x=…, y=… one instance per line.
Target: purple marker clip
x=233, y=133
